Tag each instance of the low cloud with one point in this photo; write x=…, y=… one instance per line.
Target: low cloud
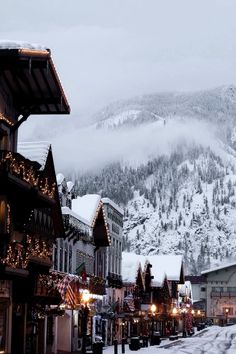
x=89, y=149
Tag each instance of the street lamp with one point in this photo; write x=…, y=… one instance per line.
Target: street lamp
x=226, y=315
x=174, y=314
x=85, y=311
x=184, y=312
x=153, y=311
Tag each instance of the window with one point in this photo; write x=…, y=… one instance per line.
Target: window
x=70, y=259
x=66, y=258
x=217, y=289
x=228, y=310
x=203, y=288
x=3, y=216
x=61, y=256
x=115, y=229
x=231, y=289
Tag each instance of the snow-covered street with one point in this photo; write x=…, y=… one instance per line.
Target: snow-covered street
x=213, y=340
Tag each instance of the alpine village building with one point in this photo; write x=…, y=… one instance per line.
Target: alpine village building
x=30, y=214
x=152, y=280
x=92, y=249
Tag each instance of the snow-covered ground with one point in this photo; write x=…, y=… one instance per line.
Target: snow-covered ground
x=213, y=340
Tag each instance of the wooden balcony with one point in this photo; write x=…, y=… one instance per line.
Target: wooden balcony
x=18, y=174
x=97, y=285
x=114, y=280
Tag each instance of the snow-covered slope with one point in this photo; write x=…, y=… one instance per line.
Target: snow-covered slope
x=130, y=117
x=180, y=198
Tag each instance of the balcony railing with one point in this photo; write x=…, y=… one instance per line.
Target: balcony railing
x=97, y=285
x=24, y=169
x=223, y=294
x=114, y=280
x=76, y=229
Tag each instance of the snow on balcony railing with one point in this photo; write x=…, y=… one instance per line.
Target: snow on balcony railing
x=26, y=171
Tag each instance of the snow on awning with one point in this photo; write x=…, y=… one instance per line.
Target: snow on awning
x=114, y=205
x=8, y=44
x=222, y=266
x=35, y=151
x=29, y=79
x=68, y=211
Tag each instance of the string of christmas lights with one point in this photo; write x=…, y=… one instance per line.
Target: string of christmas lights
x=5, y=119
x=29, y=174
x=18, y=255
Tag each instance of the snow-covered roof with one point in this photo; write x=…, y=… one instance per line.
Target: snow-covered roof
x=226, y=265
x=162, y=265
x=60, y=178
x=130, y=265
x=70, y=185
x=169, y=264
x=86, y=207
x=67, y=211
x=35, y=151
x=114, y=205
x=8, y=44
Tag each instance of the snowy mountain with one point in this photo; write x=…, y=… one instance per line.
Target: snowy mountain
x=181, y=197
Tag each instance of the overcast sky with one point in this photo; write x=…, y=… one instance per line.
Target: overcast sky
x=106, y=50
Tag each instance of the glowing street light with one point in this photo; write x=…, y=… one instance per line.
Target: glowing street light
x=153, y=308
x=174, y=311
x=86, y=296
x=174, y=314
x=226, y=315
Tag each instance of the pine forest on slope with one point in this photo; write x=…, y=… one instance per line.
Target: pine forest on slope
x=180, y=199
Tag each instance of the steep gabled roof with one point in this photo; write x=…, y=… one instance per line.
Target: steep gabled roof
x=41, y=153
x=87, y=207
x=90, y=208
x=130, y=265
x=169, y=266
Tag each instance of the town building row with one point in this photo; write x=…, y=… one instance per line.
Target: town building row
x=65, y=283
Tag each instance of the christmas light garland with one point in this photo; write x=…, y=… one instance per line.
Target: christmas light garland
x=28, y=173
x=5, y=119
x=19, y=255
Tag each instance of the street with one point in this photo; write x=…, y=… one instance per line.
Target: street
x=213, y=340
